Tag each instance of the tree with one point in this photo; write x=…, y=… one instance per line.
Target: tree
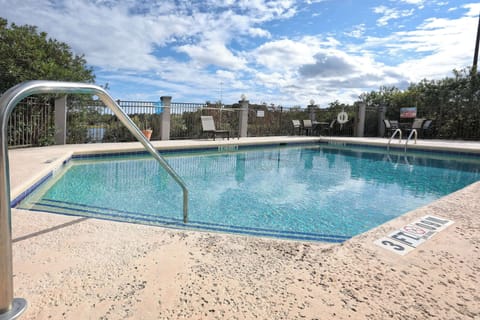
x=26, y=54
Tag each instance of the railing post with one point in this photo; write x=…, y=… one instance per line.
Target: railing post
x=61, y=120
x=361, y=119
x=11, y=308
x=243, y=119
x=165, y=118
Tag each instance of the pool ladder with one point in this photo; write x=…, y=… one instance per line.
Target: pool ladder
x=11, y=308
x=412, y=133
x=399, y=131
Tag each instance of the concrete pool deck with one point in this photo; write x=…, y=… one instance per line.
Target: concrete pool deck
x=83, y=268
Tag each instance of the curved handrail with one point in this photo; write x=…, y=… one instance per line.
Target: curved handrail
x=414, y=131
x=8, y=101
x=393, y=135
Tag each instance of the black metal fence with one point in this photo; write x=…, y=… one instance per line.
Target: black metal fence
x=90, y=121
x=278, y=121
x=371, y=128
x=185, y=119
x=31, y=123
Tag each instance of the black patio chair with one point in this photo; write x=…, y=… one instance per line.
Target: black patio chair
x=388, y=128
x=416, y=125
x=427, y=129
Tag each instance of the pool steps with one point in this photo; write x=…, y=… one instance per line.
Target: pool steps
x=98, y=212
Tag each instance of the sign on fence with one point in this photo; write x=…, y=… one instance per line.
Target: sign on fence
x=406, y=113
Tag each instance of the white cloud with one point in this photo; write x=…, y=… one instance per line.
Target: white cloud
x=390, y=14
x=186, y=49
x=109, y=36
x=450, y=47
x=434, y=49
x=314, y=1
x=357, y=31
x=473, y=9
x=416, y=2
x=311, y=67
x=123, y=35
x=213, y=53
x=283, y=54
x=420, y=4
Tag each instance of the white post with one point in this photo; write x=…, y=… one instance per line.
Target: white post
x=311, y=112
x=61, y=120
x=243, y=119
x=361, y=119
x=165, y=118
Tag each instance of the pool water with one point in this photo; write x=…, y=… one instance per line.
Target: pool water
x=314, y=192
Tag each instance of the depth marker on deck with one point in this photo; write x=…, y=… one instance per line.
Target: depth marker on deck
x=412, y=235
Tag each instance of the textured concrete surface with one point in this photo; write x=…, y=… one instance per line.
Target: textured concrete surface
x=79, y=268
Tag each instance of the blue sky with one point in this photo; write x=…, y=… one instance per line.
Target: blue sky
x=284, y=52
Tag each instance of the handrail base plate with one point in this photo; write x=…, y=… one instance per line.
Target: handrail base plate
x=19, y=305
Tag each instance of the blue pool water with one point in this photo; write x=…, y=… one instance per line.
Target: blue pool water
x=314, y=192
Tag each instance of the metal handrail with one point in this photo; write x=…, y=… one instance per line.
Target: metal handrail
x=11, y=308
x=414, y=131
x=393, y=135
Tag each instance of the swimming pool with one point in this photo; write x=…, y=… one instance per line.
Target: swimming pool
x=314, y=192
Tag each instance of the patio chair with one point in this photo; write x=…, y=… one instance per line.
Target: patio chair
x=388, y=128
x=394, y=124
x=296, y=126
x=417, y=125
x=208, y=127
x=307, y=127
x=331, y=126
x=427, y=128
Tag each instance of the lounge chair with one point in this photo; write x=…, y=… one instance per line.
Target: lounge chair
x=208, y=126
x=296, y=126
x=307, y=127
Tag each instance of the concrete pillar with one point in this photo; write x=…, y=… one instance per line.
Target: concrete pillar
x=165, y=118
x=381, y=116
x=311, y=112
x=61, y=120
x=243, y=119
x=361, y=120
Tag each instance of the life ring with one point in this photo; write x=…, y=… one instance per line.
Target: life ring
x=342, y=117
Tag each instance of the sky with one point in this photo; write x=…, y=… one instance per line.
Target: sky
x=281, y=52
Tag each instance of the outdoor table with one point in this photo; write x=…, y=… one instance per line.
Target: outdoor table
x=405, y=126
x=319, y=126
